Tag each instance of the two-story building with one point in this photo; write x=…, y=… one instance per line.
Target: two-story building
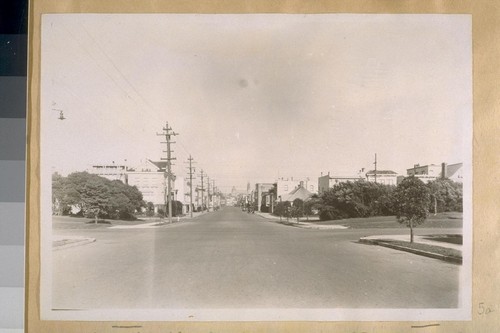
x=328, y=181
x=285, y=185
x=427, y=173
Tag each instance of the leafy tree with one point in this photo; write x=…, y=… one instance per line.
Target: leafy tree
x=356, y=199
x=297, y=209
x=310, y=205
x=446, y=196
x=282, y=209
x=95, y=198
x=411, y=201
x=176, y=208
x=150, y=209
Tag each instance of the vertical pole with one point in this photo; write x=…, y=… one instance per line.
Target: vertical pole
x=214, y=197
x=168, y=133
x=202, y=191
x=208, y=194
x=375, y=167
x=190, y=159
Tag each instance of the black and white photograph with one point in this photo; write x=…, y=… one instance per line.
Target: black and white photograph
x=256, y=167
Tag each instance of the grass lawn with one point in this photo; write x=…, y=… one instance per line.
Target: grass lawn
x=441, y=220
x=68, y=222
x=452, y=239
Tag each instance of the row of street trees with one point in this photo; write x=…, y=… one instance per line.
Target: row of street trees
x=410, y=201
x=365, y=199
x=94, y=196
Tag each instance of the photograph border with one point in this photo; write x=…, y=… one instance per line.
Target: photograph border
x=33, y=263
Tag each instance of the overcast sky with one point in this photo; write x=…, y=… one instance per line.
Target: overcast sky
x=256, y=97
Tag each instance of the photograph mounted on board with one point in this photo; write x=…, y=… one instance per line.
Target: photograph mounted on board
x=256, y=167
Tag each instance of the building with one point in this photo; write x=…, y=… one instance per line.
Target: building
x=328, y=181
x=262, y=196
x=285, y=185
x=427, y=173
x=454, y=172
x=386, y=177
x=150, y=180
x=299, y=192
x=111, y=172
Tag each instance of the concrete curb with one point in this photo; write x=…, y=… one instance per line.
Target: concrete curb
x=303, y=225
x=455, y=260
x=73, y=243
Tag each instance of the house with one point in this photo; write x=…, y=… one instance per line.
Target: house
x=386, y=177
x=454, y=172
x=286, y=185
x=327, y=181
x=299, y=192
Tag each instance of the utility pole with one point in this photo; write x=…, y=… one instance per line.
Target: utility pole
x=375, y=168
x=202, y=189
x=208, y=193
x=191, y=172
x=213, y=190
x=168, y=133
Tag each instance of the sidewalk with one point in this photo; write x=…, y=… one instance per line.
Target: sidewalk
x=159, y=222
x=433, y=249
x=64, y=242
x=302, y=224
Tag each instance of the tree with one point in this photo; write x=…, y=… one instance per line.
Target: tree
x=150, y=209
x=446, y=196
x=297, y=209
x=411, y=200
x=282, y=209
x=311, y=205
x=95, y=198
x=177, y=208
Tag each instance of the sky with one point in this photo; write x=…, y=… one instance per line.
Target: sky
x=255, y=97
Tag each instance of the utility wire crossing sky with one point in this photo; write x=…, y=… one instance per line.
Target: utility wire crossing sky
x=258, y=96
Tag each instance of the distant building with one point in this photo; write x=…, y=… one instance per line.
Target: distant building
x=149, y=178
x=328, y=181
x=285, y=185
x=299, y=192
x=111, y=172
x=455, y=172
x=386, y=177
x=427, y=173
x=261, y=195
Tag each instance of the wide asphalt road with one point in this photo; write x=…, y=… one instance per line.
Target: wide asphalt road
x=232, y=259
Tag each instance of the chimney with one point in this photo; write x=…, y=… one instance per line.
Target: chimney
x=301, y=184
x=443, y=171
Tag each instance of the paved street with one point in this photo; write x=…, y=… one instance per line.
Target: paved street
x=232, y=259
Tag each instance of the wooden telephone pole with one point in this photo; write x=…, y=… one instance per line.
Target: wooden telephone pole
x=191, y=172
x=202, y=189
x=168, y=133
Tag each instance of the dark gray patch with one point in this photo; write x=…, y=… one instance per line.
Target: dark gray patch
x=243, y=83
